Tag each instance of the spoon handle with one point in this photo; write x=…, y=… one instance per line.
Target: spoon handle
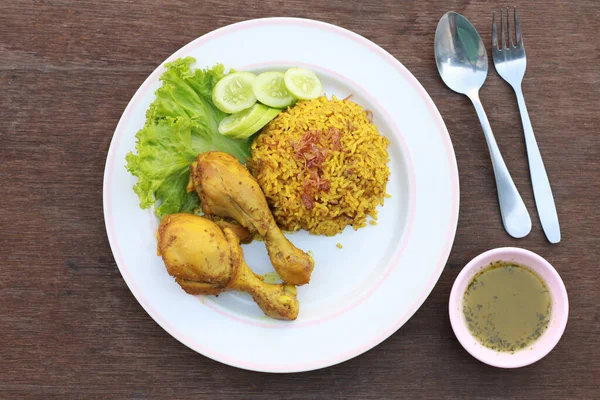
x=514, y=213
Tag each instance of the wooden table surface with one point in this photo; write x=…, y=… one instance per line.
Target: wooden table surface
x=70, y=327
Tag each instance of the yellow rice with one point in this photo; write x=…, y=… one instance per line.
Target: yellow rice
x=352, y=171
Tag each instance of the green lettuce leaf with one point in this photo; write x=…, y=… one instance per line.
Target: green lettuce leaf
x=180, y=123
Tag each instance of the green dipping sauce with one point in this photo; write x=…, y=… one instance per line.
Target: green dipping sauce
x=507, y=306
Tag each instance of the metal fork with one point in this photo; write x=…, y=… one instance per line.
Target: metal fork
x=510, y=62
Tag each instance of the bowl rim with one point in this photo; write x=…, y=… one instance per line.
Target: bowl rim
x=558, y=320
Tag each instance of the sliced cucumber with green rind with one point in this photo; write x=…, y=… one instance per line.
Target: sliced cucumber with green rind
x=264, y=120
x=303, y=83
x=239, y=123
x=234, y=93
x=270, y=89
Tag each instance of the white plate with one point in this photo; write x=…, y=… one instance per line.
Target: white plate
x=359, y=295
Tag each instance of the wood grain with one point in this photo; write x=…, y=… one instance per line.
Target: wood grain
x=70, y=327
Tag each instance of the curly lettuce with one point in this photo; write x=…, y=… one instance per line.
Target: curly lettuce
x=180, y=123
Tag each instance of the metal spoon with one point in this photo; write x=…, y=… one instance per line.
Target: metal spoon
x=463, y=65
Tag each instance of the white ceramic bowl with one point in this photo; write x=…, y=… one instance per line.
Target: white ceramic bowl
x=558, y=320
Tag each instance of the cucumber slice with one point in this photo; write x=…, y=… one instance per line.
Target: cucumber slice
x=269, y=89
x=264, y=120
x=233, y=93
x=303, y=83
x=239, y=123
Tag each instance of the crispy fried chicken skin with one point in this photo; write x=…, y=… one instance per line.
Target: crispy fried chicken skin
x=228, y=190
x=243, y=234
x=205, y=259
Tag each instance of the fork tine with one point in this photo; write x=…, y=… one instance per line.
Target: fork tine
x=508, y=31
x=502, y=29
x=517, y=28
x=494, y=32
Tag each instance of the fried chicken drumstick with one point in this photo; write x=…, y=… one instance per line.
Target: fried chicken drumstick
x=205, y=259
x=227, y=189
